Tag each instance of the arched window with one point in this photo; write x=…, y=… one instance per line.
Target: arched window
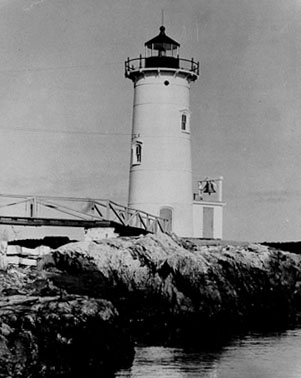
x=137, y=153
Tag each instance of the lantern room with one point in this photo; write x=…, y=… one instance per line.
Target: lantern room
x=162, y=51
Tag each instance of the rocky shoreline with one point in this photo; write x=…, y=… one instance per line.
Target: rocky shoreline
x=92, y=301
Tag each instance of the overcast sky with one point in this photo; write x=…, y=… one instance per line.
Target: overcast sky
x=66, y=108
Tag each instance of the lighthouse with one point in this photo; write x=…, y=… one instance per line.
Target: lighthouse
x=160, y=178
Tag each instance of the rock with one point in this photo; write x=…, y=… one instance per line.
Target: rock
x=60, y=337
x=161, y=282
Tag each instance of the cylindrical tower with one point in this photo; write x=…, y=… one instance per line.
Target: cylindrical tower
x=160, y=172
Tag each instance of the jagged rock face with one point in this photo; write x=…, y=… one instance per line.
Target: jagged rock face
x=162, y=280
x=60, y=337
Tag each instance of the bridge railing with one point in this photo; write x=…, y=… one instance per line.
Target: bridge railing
x=37, y=207
x=134, y=218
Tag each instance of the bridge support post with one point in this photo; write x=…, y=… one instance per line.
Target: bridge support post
x=33, y=207
x=108, y=210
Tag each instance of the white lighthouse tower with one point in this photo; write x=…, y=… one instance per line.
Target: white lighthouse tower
x=161, y=170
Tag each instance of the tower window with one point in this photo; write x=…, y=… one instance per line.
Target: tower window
x=184, y=122
x=185, y=115
x=136, y=153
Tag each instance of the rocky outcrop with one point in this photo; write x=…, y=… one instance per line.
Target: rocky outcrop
x=168, y=287
x=45, y=332
x=75, y=314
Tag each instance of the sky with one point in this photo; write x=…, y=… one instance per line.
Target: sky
x=66, y=107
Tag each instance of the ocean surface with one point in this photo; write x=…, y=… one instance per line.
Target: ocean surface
x=255, y=355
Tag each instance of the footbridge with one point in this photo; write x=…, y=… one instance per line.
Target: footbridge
x=23, y=210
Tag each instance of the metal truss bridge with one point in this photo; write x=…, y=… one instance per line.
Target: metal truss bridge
x=87, y=213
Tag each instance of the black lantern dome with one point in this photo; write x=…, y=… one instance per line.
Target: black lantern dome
x=162, y=42
x=162, y=51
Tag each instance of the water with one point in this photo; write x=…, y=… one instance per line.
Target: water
x=276, y=355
